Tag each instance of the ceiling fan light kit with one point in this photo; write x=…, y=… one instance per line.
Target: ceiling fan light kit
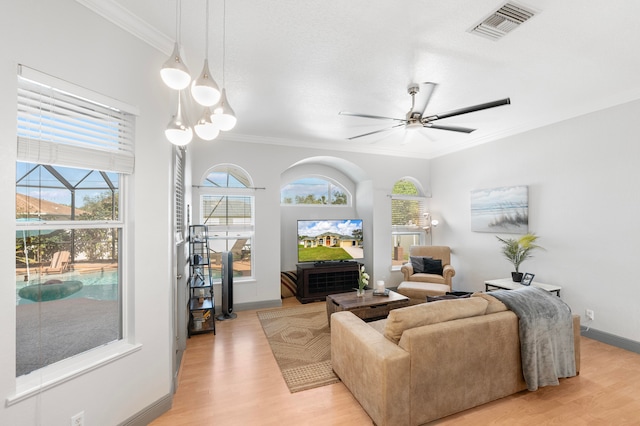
x=417, y=119
x=204, y=91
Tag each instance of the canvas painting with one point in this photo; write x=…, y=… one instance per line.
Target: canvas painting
x=500, y=210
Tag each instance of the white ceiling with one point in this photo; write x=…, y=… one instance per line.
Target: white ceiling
x=292, y=65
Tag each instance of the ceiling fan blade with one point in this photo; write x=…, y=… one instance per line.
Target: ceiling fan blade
x=505, y=101
x=377, y=117
x=376, y=131
x=452, y=128
x=425, y=97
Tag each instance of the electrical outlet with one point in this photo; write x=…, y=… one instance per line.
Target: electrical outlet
x=589, y=314
x=78, y=419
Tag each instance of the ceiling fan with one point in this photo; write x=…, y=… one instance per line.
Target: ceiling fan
x=417, y=118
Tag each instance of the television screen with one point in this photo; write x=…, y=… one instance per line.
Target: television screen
x=329, y=240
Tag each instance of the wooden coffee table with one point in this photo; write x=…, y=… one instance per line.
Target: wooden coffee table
x=368, y=308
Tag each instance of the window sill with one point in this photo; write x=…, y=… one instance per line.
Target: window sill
x=56, y=374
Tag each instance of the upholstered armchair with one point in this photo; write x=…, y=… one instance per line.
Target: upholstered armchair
x=417, y=285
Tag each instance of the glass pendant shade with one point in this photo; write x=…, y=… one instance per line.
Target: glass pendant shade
x=204, y=128
x=204, y=89
x=223, y=116
x=178, y=131
x=174, y=72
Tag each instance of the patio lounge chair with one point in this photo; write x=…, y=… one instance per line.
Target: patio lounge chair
x=59, y=263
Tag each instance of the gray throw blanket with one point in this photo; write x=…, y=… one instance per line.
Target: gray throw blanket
x=546, y=335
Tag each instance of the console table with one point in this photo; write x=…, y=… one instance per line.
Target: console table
x=508, y=284
x=317, y=281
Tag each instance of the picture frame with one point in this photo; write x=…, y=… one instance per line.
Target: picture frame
x=528, y=278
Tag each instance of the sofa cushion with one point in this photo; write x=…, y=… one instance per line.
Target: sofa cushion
x=432, y=266
x=418, y=263
x=403, y=319
x=494, y=306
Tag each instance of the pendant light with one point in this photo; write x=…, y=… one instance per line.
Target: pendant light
x=174, y=72
x=178, y=131
x=204, y=89
x=223, y=115
x=204, y=128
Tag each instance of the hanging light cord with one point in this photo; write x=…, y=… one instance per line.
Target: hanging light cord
x=178, y=9
x=224, y=40
x=206, y=32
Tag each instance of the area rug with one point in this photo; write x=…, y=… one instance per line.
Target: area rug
x=301, y=343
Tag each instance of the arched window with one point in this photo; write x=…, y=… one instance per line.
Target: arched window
x=408, y=214
x=227, y=208
x=314, y=190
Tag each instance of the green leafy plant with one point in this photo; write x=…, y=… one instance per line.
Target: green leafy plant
x=518, y=250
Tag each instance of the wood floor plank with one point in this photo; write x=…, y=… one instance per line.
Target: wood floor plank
x=233, y=379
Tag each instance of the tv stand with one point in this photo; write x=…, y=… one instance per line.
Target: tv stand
x=323, y=263
x=317, y=281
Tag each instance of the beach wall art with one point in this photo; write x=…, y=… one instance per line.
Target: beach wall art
x=500, y=210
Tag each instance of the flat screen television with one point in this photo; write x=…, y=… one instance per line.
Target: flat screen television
x=336, y=240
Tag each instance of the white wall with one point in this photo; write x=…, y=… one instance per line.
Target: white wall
x=66, y=40
x=583, y=203
x=274, y=249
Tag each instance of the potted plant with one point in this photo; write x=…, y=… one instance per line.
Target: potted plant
x=518, y=250
x=363, y=280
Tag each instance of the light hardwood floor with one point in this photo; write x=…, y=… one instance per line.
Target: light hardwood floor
x=232, y=379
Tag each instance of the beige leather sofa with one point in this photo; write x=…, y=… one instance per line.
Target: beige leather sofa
x=467, y=353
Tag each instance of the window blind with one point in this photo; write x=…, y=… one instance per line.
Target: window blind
x=408, y=211
x=178, y=189
x=56, y=126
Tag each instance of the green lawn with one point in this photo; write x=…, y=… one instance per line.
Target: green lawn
x=322, y=253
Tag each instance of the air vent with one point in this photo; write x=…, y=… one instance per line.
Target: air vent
x=503, y=21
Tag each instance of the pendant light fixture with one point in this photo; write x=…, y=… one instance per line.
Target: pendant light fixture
x=174, y=72
x=223, y=115
x=204, y=89
x=178, y=131
x=204, y=128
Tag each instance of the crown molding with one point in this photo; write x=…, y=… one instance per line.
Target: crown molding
x=114, y=12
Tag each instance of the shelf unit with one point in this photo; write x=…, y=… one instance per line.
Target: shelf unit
x=316, y=282
x=201, y=303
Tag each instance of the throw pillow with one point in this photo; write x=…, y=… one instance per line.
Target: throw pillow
x=432, y=266
x=495, y=305
x=403, y=319
x=288, y=284
x=452, y=295
x=418, y=263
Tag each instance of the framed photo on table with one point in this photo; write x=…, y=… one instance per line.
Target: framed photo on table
x=526, y=280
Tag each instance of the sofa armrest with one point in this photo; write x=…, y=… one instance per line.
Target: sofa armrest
x=407, y=270
x=376, y=371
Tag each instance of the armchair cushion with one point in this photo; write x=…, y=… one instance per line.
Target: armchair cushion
x=432, y=266
x=418, y=262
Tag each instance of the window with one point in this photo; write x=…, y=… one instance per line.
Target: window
x=408, y=213
x=227, y=208
x=315, y=191
x=73, y=158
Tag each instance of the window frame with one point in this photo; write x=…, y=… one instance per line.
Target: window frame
x=417, y=231
x=241, y=231
x=331, y=183
x=118, y=159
